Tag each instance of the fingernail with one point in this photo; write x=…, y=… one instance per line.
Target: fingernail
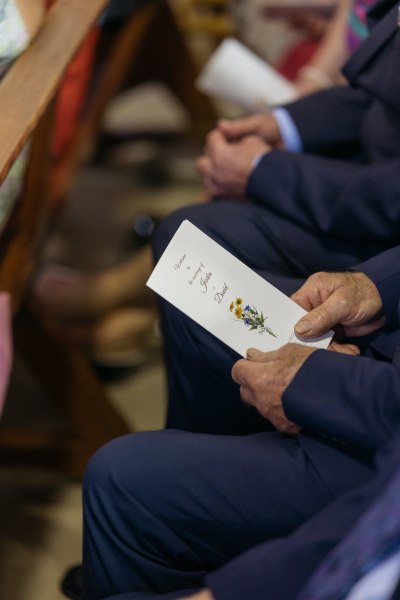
x=252, y=353
x=303, y=326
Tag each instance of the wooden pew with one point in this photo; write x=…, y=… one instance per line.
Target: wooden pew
x=148, y=46
x=27, y=99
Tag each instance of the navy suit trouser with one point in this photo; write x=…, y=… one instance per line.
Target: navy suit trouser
x=163, y=509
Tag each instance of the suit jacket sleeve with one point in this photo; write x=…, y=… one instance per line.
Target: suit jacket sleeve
x=355, y=399
x=384, y=270
x=330, y=120
x=280, y=568
x=335, y=197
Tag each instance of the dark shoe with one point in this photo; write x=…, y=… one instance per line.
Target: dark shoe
x=71, y=584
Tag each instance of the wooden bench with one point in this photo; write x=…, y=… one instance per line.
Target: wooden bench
x=148, y=46
x=27, y=98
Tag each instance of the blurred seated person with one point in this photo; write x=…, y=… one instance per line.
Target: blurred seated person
x=329, y=33
x=315, y=63
x=110, y=314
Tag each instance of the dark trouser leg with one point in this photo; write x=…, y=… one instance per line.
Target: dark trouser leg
x=263, y=240
x=162, y=509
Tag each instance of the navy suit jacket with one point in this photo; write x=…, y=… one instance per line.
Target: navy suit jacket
x=355, y=400
x=352, y=399
x=346, y=183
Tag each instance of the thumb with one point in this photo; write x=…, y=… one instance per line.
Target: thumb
x=234, y=129
x=320, y=319
x=255, y=355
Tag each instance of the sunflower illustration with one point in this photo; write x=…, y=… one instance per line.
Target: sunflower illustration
x=239, y=312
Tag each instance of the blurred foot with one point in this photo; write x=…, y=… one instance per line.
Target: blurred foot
x=121, y=338
x=71, y=583
x=72, y=295
x=67, y=293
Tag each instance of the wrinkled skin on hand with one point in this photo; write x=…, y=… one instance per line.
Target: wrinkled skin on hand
x=348, y=300
x=230, y=150
x=262, y=125
x=264, y=376
x=225, y=166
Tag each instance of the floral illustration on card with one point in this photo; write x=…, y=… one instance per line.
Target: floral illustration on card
x=250, y=316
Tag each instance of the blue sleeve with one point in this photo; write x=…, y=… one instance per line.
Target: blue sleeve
x=384, y=271
x=336, y=197
x=329, y=121
x=355, y=399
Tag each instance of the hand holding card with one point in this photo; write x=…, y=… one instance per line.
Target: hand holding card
x=226, y=297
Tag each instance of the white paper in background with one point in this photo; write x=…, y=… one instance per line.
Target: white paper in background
x=226, y=297
x=238, y=75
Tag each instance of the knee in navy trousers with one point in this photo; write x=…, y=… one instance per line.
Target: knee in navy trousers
x=163, y=509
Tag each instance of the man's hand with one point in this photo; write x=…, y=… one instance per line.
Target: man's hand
x=350, y=300
x=262, y=125
x=226, y=166
x=350, y=349
x=264, y=377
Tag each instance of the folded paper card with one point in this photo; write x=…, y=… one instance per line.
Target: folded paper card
x=236, y=74
x=226, y=297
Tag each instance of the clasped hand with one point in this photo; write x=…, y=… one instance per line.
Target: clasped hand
x=230, y=150
x=347, y=301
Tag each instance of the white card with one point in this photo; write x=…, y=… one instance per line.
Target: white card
x=226, y=297
x=237, y=74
